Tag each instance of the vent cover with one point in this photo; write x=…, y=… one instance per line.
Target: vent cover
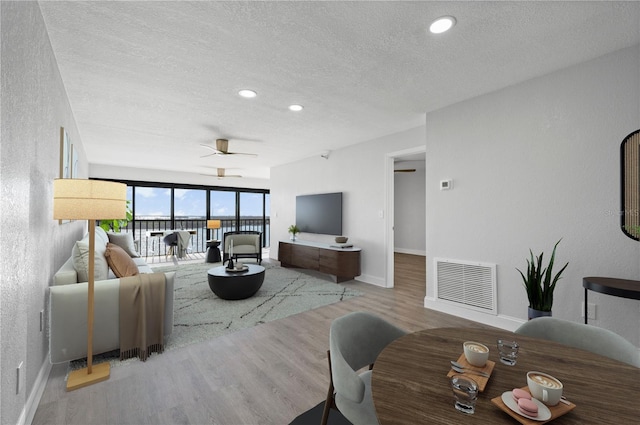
x=469, y=284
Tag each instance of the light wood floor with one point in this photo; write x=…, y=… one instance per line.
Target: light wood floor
x=268, y=374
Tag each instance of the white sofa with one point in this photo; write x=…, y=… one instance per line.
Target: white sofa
x=68, y=304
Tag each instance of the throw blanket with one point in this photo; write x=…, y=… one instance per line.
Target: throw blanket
x=142, y=315
x=183, y=242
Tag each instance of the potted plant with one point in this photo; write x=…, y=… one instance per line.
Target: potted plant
x=116, y=225
x=294, y=230
x=540, y=283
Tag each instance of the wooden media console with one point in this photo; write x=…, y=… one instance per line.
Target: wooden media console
x=341, y=263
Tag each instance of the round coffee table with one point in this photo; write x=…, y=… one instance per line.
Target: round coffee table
x=235, y=285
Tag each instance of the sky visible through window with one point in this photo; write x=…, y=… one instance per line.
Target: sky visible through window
x=155, y=202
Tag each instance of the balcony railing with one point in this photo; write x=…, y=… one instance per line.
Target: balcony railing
x=147, y=232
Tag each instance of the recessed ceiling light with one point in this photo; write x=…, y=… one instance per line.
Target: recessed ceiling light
x=442, y=24
x=296, y=108
x=247, y=93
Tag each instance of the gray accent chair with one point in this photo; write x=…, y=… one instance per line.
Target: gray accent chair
x=355, y=341
x=586, y=337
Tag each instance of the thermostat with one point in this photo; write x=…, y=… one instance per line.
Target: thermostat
x=446, y=184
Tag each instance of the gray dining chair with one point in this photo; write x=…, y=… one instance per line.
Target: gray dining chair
x=586, y=337
x=355, y=340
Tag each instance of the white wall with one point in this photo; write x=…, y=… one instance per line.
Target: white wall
x=33, y=245
x=534, y=163
x=359, y=172
x=410, y=209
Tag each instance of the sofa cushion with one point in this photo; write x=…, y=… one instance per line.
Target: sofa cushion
x=119, y=261
x=80, y=255
x=143, y=267
x=101, y=235
x=124, y=241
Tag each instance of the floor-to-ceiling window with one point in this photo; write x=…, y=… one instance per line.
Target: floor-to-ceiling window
x=161, y=208
x=222, y=206
x=252, y=213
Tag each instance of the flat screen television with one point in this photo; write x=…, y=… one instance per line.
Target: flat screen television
x=321, y=213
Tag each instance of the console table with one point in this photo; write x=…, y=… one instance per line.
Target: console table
x=624, y=288
x=341, y=263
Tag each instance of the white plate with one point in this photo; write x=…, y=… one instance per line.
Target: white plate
x=544, y=414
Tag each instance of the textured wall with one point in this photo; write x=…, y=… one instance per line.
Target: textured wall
x=33, y=245
x=534, y=163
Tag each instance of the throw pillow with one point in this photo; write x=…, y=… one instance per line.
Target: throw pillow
x=80, y=255
x=124, y=241
x=101, y=235
x=119, y=261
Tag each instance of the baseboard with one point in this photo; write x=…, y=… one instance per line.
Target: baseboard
x=373, y=280
x=30, y=408
x=500, y=321
x=410, y=251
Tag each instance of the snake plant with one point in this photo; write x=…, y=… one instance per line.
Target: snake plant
x=539, y=282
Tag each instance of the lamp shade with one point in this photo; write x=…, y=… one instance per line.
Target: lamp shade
x=213, y=224
x=79, y=199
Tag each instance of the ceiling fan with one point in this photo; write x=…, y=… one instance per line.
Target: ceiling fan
x=221, y=174
x=222, y=148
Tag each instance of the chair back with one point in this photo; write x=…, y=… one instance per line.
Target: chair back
x=252, y=236
x=355, y=340
x=586, y=337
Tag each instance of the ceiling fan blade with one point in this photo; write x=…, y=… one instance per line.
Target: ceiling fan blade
x=240, y=153
x=216, y=151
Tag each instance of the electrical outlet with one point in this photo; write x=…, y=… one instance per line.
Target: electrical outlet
x=591, y=311
x=41, y=320
x=18, y=378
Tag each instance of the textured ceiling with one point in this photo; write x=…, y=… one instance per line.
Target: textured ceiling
x=153, y=80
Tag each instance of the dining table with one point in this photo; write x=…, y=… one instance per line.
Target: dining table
x=410, y=384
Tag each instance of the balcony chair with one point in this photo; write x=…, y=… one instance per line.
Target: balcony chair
x=246, y=244
x=355, y=341
x=586, y=337
x=178, y=241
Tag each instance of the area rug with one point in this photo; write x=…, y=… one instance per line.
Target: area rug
x=200, y=315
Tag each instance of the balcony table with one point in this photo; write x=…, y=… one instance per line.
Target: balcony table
x=410, y=384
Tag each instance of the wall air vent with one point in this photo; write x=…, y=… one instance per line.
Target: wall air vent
x=468, y=284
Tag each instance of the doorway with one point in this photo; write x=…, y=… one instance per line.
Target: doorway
x=405, y=236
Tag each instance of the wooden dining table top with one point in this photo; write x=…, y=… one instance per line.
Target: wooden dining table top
x=410, y=383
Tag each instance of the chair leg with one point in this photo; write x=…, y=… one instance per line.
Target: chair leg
x=330, y=403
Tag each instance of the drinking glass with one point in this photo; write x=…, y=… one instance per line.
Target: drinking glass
x=465, y=393
x=508, y=351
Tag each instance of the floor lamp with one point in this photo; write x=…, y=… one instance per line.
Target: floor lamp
x=77, y=199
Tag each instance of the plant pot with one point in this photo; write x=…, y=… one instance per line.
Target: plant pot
x=533, y=313
x=293, y=237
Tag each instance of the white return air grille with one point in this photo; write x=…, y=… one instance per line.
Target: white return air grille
x=471, y=284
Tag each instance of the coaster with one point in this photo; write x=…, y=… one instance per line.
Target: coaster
x=480, y=380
